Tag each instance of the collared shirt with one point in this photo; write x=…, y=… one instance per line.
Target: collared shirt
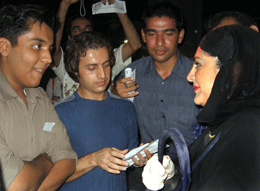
x=163, y=104
x=198, y=130
x=27, y=132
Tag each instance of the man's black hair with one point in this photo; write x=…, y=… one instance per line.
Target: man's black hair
x=164, y=9
x=79, y=45
x=18, y=20
x=241, y=18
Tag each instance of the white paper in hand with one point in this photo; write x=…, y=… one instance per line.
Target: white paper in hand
x=129, y=73
x=116, y=7
x=152, y=147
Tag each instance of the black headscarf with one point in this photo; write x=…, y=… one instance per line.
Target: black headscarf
x=237, y=85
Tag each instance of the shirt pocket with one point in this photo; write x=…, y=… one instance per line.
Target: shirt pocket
x=46, y=140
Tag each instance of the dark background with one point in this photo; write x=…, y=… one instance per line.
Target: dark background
x=194, y=11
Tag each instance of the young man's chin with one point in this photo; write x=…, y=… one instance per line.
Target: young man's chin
x=100, y=91
x=33, y=85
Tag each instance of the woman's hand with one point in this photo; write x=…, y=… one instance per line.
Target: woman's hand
x=155, y=174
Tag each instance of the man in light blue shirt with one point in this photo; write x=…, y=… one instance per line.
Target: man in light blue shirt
x=164, y=103
x=164, y=98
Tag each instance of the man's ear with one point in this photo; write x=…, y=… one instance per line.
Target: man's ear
x=181, y=35
x=5, y=46
x=143, y=35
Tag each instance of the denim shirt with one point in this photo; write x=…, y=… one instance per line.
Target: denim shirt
x=163, y=104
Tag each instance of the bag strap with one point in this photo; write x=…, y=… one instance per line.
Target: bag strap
x=182, y=152
x=215, y=140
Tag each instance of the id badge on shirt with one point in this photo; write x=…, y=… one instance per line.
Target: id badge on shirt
x=48, y=126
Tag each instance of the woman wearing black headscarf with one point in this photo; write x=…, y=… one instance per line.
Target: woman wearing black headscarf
x=226, y=80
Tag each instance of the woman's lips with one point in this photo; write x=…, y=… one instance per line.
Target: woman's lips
x=196, y=88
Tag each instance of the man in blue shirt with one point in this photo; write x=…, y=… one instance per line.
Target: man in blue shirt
x=164, y=98
x=102, y=129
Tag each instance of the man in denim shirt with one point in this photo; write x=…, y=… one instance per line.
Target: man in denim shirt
x=164, y=98
x=164, y=103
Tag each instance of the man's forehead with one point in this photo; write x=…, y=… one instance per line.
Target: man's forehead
x=80, y=21
x=161, y=18
x=160, y=21
x=39, y=32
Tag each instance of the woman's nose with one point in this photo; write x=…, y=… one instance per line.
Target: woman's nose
x=191, y=75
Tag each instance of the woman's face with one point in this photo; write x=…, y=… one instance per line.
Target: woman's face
x=202, y=75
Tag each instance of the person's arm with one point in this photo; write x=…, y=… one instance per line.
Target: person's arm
x=59, y=150
x=134, y=42
x=36, y=169
x=16, y=171
x=60, y=171
x=109, y=159
x=61, y=15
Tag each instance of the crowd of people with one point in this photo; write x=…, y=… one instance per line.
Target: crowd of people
x=75, y=135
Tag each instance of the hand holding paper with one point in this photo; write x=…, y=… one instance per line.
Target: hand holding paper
x=152, y=148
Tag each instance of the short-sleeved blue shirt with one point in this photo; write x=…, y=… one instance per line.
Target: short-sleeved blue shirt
x=163, y=104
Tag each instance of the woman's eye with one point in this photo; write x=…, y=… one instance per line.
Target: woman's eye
x=197, y=64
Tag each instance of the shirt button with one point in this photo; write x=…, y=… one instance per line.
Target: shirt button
x=162, y=83
x=161, y=100
x=163, y=116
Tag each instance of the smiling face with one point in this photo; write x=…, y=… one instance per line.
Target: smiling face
x=94, y=74
x=203, y=75
x=24, y=64
x=162, y=38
